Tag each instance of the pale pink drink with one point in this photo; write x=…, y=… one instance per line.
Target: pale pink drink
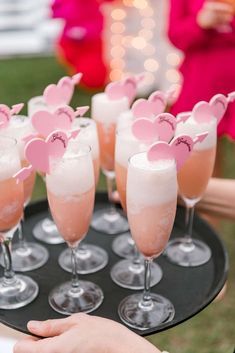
x=105, y=112
x=193, y=178
x=71, y=194
x=151, y=208
x=15, y=290
x=26, y=256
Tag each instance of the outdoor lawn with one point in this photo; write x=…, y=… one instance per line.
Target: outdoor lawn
x=211, y=331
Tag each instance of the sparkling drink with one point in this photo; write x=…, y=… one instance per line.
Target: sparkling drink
x=193, y=179
x=15, y=290
x=151, y=203
x=71, y=194
x=151, y=208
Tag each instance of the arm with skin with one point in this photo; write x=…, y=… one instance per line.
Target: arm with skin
x=81, y=333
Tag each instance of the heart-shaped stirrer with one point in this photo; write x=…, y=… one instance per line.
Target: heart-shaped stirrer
x=62, y=92
x=161, y=128
x=179, y=149
x=119, y=89
x=204, y=112
x=38, y=153
x=45, y=122
x=154, y=105
x=6, y=113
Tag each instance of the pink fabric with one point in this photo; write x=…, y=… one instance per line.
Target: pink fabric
x=209, y=63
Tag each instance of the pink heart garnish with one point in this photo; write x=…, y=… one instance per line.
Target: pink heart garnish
x=59, y=94
x=161, y=128
x=179, y=149
x=150, y=107
x=202, y=112
x=45, y=122
x=126, y=88
x=38, y=152
x=5, y=114
x=219, y=104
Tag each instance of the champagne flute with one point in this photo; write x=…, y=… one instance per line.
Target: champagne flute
x=129, y=273
x=45, y=230
x=193, y=179
x=71, y=194
x=26, y=256
x=105, y=112
x=90, y=258
x=151, y=207
x=15, y=290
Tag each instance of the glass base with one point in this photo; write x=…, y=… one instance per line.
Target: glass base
x=108, y=222
x=124, y=246
x=47, y=232
x=127, y=275
x=90, y=260
x=187, y=255
x=133, y=314
x=31, y=257
x=17, y=292
x=65, y=302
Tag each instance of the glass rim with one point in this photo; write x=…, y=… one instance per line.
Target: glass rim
x=73, y=154
x=145, y=152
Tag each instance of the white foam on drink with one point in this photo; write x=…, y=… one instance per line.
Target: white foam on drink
x=35, y=104
x=106, y=110
x=150, y=183
x=9, y=161
x=38, y=103
x=19, y=127
x=88, y=134
x=125, y=119
x=127, y=145
x=71, y=175
x=192, y=128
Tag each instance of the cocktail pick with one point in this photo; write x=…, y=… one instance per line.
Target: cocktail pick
x=6, y=113
x=204, y=112
x=154, y=105
x=179, y=148
x=119, y=89
x=38, y=153
x=161, y=128
x=45, y=122
x=62, y=92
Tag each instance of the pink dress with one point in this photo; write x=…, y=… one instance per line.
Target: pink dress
x=209, y=62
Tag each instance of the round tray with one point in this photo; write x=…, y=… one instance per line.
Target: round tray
x=189, y=289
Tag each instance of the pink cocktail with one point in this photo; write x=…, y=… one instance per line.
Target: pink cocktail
x=105, y=111
x=26, y=256
x=15, y=290
x=71, y=194
x=193, y=179
x=129, y=273
x=151, y=208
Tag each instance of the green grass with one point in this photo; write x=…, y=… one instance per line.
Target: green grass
x=211, y=331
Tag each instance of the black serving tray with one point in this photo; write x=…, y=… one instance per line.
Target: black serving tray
x=189, y=289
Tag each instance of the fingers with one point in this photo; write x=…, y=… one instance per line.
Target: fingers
x=219, y=7
x=50, y=328
x=29, y=345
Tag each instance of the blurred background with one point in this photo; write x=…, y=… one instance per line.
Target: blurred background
x=41, y=41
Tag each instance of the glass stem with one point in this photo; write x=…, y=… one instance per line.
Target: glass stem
x=8, y=270
x=137, y=257
x=110, y=181
x=75, y=282
x=189, y=215
x=146, y=303
x=22, y=241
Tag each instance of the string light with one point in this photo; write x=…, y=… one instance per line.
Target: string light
x=134, y=47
